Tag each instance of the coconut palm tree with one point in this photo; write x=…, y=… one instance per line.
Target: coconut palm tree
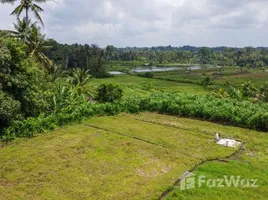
x=21, y=31
x=79, y=77
x=27, y=5
x=36, y=45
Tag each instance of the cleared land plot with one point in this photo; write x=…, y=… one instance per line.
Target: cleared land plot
x=121, y=157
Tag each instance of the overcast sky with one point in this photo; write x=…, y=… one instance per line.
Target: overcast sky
x=153, y=22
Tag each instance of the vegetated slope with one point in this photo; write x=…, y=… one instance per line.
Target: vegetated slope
x=119, y=157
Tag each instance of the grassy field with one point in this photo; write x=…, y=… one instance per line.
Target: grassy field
x=129, y=157
x=134, y=85
x=104, y=158
x=232, y=75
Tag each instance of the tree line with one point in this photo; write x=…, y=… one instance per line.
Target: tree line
x=77, y=55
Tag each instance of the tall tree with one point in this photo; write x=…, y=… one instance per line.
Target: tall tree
x=27, y=5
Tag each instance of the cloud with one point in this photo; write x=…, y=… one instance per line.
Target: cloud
x=154, y=22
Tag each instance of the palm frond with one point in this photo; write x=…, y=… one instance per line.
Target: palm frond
x=35, y=11
x=18, y=10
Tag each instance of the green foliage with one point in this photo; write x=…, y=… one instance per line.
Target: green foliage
x=36, y=45
x=231, y=111
x=4, y=33
x=22, y=30
x=221, y=93
x=235, y=93
x=264, y=92
x=57, y=72
x=205, y=55
x=27, y=5
x=9, y=110
x=109, y=93
x=146, y=75
x=30, y=34
x=248, y=89
x=207, y=81
x=79, y=77
x=85, y=57
x=22, y=80
x=67, y=99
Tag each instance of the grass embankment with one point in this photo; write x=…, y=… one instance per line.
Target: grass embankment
x=129, y=157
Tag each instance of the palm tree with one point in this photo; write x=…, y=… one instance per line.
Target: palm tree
x=21, y=28
x=79, y=77
x=36, y=44
x=27, y=5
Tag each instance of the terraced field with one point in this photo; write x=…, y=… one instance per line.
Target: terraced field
x=124, y=157
x=232, y=75
x=134, y=85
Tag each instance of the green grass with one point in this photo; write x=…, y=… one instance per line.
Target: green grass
x=134, y=85
x=252, y=163
x=121, y=157
x=232, y=75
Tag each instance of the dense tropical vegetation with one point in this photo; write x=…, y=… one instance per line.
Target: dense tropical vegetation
x=76, y=55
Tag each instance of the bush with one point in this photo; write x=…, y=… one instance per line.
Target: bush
x=146, y=75
x=22, y=80
x=264, y=92
x=249, y=89
x=207, y=81
x=109, y=93
x=9, y=110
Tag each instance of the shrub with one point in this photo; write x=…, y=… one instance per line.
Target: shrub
x=146, y=75
x=9, y=110
x=207, y=81
x=264, y=92
x=21, y=78
x=109, y=93
x=248, y=89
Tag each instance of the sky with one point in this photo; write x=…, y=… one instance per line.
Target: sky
x=235, y=23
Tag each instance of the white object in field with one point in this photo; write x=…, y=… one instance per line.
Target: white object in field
x=217, y=137
x=229, y=143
